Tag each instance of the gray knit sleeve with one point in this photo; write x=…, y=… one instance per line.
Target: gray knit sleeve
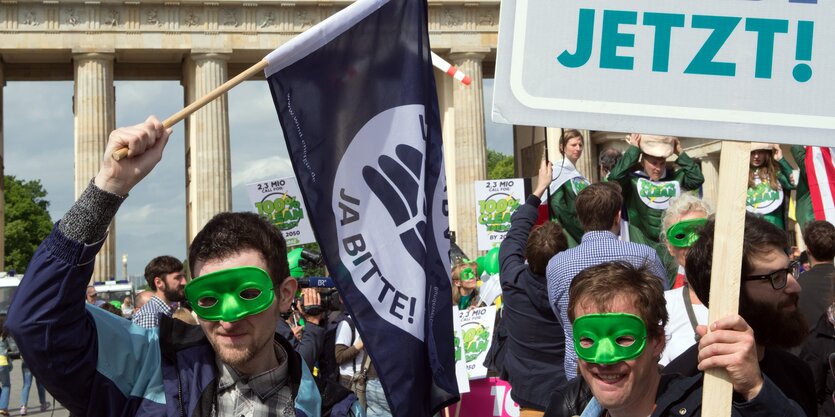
x=87, y=220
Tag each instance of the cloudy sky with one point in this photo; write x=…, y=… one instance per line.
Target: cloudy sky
x=38, y=144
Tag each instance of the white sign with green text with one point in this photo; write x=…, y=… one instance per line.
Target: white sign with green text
x=496, y=201
x=280, y=202
x=723, y=69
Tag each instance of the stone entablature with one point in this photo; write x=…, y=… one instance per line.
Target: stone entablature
x=257, y=17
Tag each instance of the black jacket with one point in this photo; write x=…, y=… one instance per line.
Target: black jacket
x=816, y=351
x=535, y=340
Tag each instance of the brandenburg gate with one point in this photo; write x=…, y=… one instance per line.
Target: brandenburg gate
x=202, y=44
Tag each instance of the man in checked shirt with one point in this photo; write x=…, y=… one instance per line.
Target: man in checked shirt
x=233, y=364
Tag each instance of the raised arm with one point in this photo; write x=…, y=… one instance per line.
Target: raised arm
x=56, y=332
x=512, y=249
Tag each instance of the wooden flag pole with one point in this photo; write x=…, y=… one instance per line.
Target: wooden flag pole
x=727, y=260
x=202, y=101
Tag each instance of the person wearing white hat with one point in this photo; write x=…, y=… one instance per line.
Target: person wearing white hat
x=648, y=185
x=768, y=181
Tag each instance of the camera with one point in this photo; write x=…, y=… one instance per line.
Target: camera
x=329, y=301
x=329, y=296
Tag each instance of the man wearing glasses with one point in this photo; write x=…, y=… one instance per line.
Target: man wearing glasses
x=767, y=301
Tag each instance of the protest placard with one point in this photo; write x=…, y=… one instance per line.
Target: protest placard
x=742, y=70
x=496, y=200
x=460, y=360
x=477, y=329
x=280, y=201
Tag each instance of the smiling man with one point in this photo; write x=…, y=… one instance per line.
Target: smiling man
x=618, y=313
x=233, y=364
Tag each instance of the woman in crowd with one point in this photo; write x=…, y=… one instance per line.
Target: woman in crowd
x=768, y=182
x=464, y=285
x=7, y=346
x=27, y=385
x=566, y=184
x=682, y=221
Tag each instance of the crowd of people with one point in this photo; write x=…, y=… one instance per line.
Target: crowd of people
x=630, y=293
x=603, y=311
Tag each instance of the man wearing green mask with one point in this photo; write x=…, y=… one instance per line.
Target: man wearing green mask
x=233, y=364
x=618, y=316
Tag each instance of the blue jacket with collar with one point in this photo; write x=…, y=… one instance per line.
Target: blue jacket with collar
x=98, y=364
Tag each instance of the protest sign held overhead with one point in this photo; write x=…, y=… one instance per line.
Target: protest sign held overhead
x=496, y=200
x=743, y=70
x=280, y=201
x=357, y=103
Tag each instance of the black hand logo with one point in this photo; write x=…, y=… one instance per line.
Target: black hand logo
x=397, y=187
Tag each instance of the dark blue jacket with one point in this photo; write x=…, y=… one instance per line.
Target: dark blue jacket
x=535, y=342
x=98, y=364
x=680, y=396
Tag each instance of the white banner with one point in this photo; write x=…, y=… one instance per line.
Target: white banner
x=477, y=328
x=496, y=201
x=280, y=201
x=724, y=69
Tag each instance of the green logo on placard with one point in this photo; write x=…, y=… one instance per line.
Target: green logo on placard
x=457, y=342
x=654, y=191
x=284, y=211
x=476, y=341
x=495, y=212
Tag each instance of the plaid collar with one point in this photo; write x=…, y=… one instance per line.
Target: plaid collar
x=264, y=385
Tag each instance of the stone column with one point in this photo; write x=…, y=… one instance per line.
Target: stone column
x=470, y=147
x=587, y=164
x=2, y=176
x=94, y=106
x=710, y=170
x=443, y=86
x=208, y=173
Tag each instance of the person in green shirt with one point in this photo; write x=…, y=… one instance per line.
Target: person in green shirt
x=567, y=182
x=768, y=181
x=648, y=185
x=804, y=212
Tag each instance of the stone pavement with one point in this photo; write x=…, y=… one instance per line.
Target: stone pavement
x=34, y=404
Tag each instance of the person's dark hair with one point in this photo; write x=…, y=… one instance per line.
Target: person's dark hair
x=567, y=135
x=112, y=309
x=759, y=238
x=227, y=234
x=598, y=204
x=819, y=236
x=599, y=285
x=544, y=241
x=160, y=267
x=608, y=158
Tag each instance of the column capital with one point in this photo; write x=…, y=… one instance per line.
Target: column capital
x=213, y=54
x=476, y=54
x=93, y=53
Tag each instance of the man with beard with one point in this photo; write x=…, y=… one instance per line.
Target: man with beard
x=165, y=277
x=767, y=301
x=232, y=364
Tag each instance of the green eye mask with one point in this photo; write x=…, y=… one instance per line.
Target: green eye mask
x=230, y=294
x=467, y=274
x=609, y=338
x=685, y=233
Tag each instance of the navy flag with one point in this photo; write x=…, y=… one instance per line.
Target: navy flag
x=357, y=103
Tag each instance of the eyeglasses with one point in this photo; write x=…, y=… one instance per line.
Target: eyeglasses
x=780, y=277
